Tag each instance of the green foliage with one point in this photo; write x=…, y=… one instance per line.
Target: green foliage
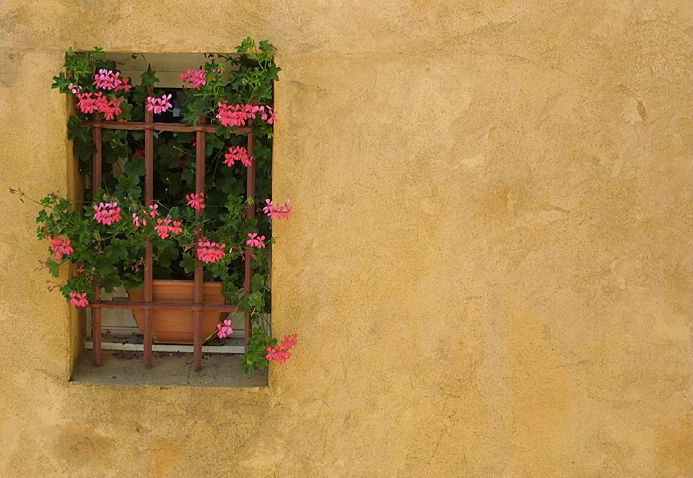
x=111, y=255
x=257, y=348
x=79, y=68
x=256, y=69
x=148, y=79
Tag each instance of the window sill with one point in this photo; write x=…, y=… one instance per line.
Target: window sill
x=171, y=369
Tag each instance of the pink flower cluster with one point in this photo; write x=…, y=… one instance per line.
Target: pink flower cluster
x=79, y=299
x=268, y=114
x=210, y=251
x=255, y=241
x=195, y=78
x=90, y=102
x=238, y=153
x=142, y=221
x=108, y=80
x=238, y=115
x=159, y=105
x=61, y=247
x=196, y=201
x=107, y=213
x=224, y=330
x=282, y=352
x=276, y=211
x=165, y=227
x=137, y=221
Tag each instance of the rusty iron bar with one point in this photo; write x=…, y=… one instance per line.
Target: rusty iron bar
x=200, y=140
x=161, y=305
x=250, y=214
x=97, y=162
x=148, y=252
x=144, y=125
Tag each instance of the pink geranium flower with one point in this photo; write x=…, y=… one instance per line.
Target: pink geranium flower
x=124, y=86
x=238, y=153
x=276, y=211
x=110, y=109
x=196, y=201
x=282, y=352
x=107, y=79
x=138, y=221
x=153, y=210
x=89, y=103
x=107, y=213
x=74, y=88
x=86, y=102
x=210, y=251
x=166, y=226
x=236, y=115
x=79, y=299
x=224, y=330
x=61, y=247
x=255, y=241
x=268, y=114
x=159, y=105
x=239, y=114
x=194, y=78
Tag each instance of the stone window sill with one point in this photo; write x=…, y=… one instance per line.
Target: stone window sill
x=170, y=369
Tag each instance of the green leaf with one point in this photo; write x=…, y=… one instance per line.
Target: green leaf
x=148, y=79
x=135, y=167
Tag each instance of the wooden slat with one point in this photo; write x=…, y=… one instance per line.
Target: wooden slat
x=208, y=349
x=148, y=252
x=200, y=140
x=97, y=165
x=250, y=214
x=144, y=126
x=143, y=305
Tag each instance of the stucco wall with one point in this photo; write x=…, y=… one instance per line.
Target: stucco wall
x=489, y=267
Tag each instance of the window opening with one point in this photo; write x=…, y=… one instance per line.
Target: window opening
x=126, y=153
x=147, y=304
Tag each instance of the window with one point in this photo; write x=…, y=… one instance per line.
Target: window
x=173, y=178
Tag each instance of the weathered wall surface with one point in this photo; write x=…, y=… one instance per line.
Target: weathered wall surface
x=489, y=267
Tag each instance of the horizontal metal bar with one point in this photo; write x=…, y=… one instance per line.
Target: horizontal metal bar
x=130, y=304
x=177, y=127
x=207, y=349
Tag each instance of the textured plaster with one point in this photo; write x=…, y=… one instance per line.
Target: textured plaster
x=489, y=267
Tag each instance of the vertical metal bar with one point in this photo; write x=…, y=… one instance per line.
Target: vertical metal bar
x=148, y=253
x=250, y=214
x=97, y=161
x=200, y=139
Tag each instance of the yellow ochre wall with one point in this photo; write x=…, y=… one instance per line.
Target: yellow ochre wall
x=489, y=265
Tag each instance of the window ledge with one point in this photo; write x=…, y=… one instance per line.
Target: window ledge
x=170, y=369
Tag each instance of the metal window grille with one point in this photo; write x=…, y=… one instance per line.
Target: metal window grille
x=197, y=306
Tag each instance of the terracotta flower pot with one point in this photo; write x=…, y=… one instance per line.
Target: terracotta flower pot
x=176, y=326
